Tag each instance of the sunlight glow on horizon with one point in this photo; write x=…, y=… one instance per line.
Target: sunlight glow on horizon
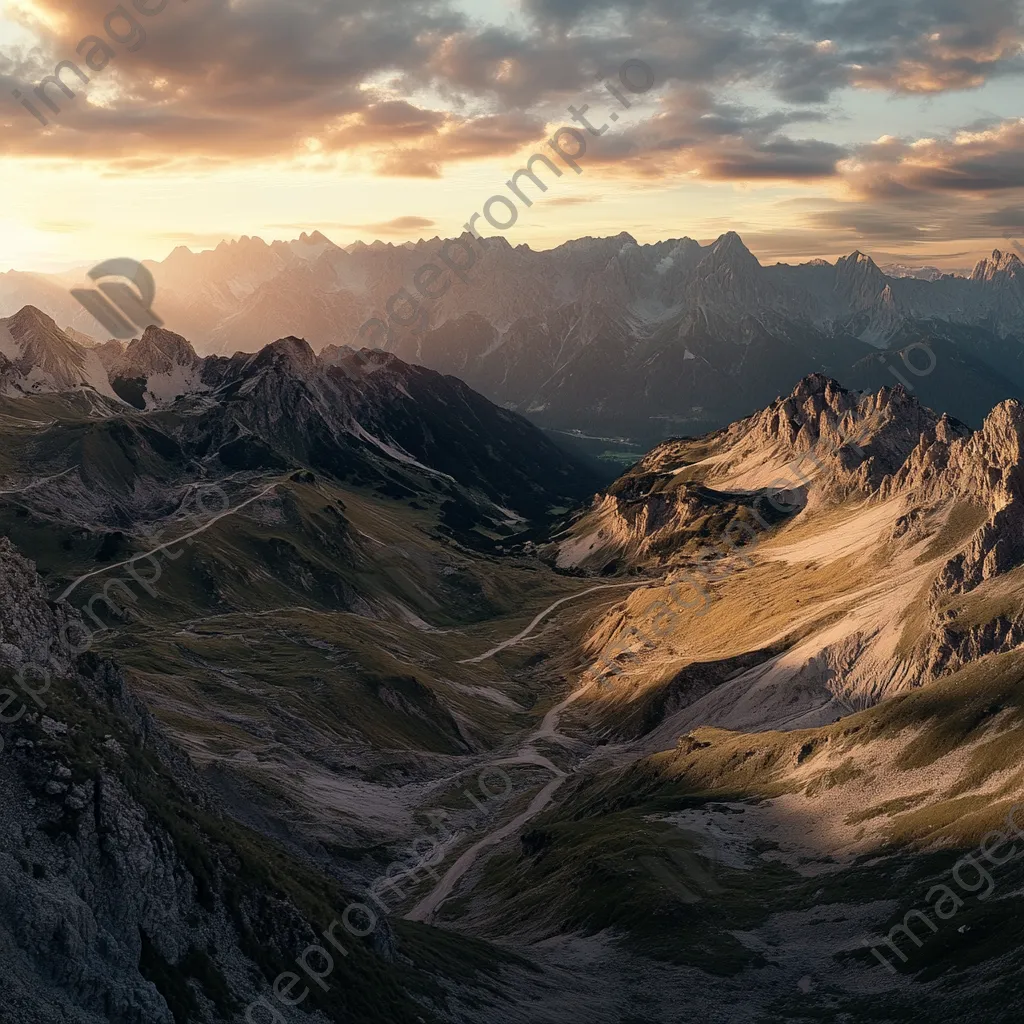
x=79, y=209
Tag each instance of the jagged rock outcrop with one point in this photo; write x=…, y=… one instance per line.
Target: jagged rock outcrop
x=851, y=442
x=950, y=501
x=155, y=370
x=30, y=624
x=39, y=358
x=985, y=470
x=820, y=444
x=126, y=895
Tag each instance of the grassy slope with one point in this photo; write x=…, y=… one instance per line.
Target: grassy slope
x=593, y=863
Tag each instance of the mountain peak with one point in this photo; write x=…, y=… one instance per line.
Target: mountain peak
x=1004, y=428
x=164, y=344
x=181, y=256
x=30, y=317
x=43, y=359
x=245, y=242
x=34, y=332
x=729, y=250
x=1000, y=265
x=1004, y=258
x=164, y=363
x=858, y=280
x=333, y=355
x=730, y=242
x=859, y=260
x=816, y=384
x=289, y=353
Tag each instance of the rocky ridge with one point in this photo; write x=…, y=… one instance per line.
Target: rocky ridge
x=358, y=414
x=820, y=445
x=600, y=334
x=924, y=516
x=154, y=371
x=36, y=357
x=126, y=894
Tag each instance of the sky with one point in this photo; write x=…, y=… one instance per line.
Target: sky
x=811, y=127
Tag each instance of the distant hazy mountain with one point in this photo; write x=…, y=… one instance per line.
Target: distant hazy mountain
x=925, y=273
x=602, y=334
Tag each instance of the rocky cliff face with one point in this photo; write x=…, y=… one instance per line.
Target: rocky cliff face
x=30, y=624
x=154, y=371
x=924, y=517
x=985, y=471
x=819, y=446
x=855, y=440
x=40, y=358
x=126, y=895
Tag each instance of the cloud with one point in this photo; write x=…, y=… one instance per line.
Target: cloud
x=573, y=200
x=421, y=149
x=397, y=226
x=405, y=225
x=697, y=135
x=894, y=191
x=216, y=81
x=408, y=87
x=983, y=159
x=806, y=49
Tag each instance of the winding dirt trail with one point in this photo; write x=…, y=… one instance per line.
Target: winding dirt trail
x=40, y=482
x=519, y=637
x=177, y=540
x=527, y=754
x=425, y=909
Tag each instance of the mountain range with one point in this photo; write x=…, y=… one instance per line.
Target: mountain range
x=603, y=335
x=290, y=631
x=707, y=735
